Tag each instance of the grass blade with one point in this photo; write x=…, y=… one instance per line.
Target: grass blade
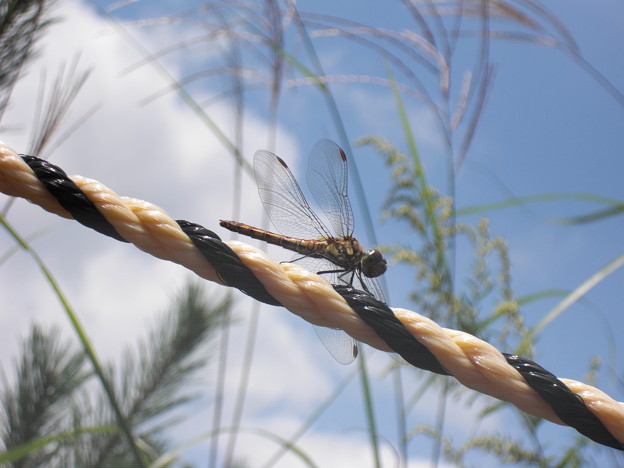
x=39, y=444
x=84, y=340
x=571, y=298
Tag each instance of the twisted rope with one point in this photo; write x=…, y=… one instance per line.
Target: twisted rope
x=419, y=340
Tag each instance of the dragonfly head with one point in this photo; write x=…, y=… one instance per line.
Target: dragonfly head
x=373, y=264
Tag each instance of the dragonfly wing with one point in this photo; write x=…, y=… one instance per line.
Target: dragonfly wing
x=341, y=346
x=327, y=179
x=283, y=199
x=370, y=285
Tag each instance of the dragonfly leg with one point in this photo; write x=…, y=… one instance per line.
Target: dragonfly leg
x=362, y=283
x=326, y=272
x=295, y=259
x=346, y=272
x=342, y=272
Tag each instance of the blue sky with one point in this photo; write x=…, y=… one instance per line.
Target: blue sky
x=548, y=127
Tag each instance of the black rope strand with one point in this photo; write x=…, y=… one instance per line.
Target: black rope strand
x=569, y=407
x=69, y=195
x=566, y=404
x=380, y=318
x=229, y=267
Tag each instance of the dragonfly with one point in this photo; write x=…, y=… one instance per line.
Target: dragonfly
x=336, y=252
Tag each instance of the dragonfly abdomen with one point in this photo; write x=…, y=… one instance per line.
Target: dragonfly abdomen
x=301, y=246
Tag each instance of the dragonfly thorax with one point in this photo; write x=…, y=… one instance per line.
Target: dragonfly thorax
x=373, y=263
x=345, y=252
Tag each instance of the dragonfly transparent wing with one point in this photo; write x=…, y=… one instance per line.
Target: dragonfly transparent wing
x=370, y=285
x=327, y=179
x=291, y=215
x=283, y=199
x=340, y=345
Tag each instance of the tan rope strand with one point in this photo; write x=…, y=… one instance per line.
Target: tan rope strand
x=18, y=180
x=475, y=363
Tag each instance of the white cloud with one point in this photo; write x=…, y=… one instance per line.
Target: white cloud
x=159, y=152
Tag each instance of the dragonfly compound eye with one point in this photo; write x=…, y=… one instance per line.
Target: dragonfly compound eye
x=373, y=264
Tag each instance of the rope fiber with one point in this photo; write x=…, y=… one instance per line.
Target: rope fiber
x=417, y=339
